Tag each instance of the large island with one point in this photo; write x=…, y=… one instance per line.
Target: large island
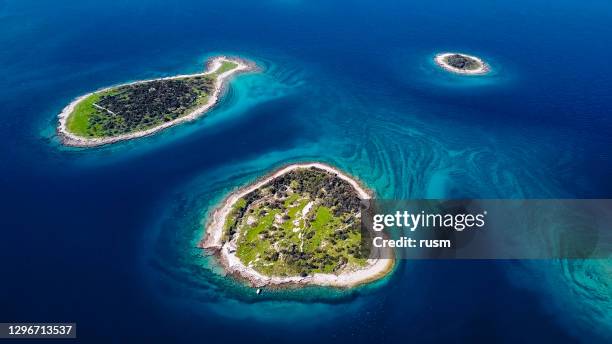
x=145, y=107
x=300, y=225
x=461, y=63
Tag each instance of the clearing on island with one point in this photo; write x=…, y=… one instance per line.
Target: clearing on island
x=144, y=107
x=302, y=225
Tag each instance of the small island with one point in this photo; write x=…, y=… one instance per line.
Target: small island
x=461, y=63
x=145, y=107
x=300, y=225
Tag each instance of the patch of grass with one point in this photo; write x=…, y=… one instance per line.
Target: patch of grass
x=297, y=209
x=266, y=244
x=250, y=247
x=225, y=66
x=321, y=226
x=292, y=198
x=78, y=121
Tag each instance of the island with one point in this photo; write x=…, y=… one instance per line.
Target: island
x=300, y=225
x=145, y=107
x=461, y=63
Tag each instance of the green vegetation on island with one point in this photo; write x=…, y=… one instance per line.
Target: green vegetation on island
x=303, y=222
x=462, y=62
x=140, y=106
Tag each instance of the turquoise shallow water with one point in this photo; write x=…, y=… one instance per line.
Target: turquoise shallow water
x=352, y=85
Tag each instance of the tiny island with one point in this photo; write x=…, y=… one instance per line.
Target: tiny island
x=461, y=63
x=145, y=107
x=300, y=225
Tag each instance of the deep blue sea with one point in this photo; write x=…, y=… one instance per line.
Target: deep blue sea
x=107, y=237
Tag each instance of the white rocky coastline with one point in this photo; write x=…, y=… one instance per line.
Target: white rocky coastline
x=376, y=267
x=70, y=139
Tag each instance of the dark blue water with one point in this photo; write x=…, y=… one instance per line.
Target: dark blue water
x=107, y=237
